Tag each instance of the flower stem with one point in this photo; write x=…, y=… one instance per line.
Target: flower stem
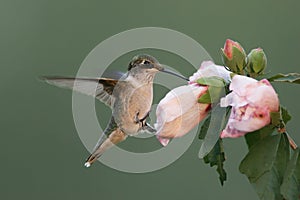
x=292, y=142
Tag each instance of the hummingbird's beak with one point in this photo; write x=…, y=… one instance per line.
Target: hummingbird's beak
x=163, y=69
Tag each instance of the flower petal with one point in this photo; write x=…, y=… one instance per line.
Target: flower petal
x=208, y=69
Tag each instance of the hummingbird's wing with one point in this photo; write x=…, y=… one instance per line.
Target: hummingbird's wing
x=100, y=88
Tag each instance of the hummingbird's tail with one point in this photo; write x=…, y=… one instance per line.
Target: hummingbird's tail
x=115, y=137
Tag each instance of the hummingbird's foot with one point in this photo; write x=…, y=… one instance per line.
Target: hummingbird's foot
x=141, y=121
x=136, y=118
x=149, y=128
x=144, y=118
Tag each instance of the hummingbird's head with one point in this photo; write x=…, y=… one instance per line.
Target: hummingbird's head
x=145, y=61
x=151, y=65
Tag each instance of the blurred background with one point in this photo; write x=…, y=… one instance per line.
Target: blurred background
x=41, y=154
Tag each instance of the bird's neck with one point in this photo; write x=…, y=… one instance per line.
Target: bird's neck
x=141, y=78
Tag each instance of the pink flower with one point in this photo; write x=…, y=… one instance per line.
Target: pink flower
x=179, y=111
x=251, y=101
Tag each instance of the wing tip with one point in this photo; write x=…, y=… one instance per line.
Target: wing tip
x=48, y=78
x=42, y=78
x=57, y=81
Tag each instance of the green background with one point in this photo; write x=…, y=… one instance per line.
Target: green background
x=41, y=154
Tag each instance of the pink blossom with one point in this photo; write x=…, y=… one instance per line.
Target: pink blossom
x=179, y=111
x=251, y=101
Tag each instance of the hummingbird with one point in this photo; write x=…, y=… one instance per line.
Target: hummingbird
x=129, y=97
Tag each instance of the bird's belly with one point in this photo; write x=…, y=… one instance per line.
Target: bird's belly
x=132, y=106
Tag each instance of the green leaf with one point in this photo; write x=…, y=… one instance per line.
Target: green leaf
x=217, y=123
x=265, y=165
x=256, y=136
x=212, y=95
x=204, y=128
x=276, y=119
x=285, y=115
x=211, y=81
x=205, y=98
x=279, y=119
x=290, y=188
x=216, y=157
x=289, y=78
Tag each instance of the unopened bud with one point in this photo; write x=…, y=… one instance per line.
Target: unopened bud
x=234, y=56
x=256, y=62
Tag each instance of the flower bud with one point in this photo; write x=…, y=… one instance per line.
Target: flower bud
x=179, y=112
x=234, y=56
x=256, y=62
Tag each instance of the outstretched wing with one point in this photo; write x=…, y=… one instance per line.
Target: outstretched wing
x=100, y=88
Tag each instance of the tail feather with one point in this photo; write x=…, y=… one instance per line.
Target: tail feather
x=114, y=138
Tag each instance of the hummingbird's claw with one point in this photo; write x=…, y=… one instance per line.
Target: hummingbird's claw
x=136, y=118
x=149, y=128
x=143, y=120
x=145, y=117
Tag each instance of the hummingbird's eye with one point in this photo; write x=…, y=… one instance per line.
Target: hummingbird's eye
x=146, y=62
